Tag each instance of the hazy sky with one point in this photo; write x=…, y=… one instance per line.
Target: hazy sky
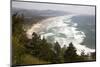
x=89, y=10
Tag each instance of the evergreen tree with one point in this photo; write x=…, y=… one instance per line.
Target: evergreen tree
x=57, y=48
x=40, y=48
x=18, y=39
x=58, y=52
x=93, y=55
x=82, y=57
x=70, y=54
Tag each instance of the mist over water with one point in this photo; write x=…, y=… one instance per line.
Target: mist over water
x=63, y=30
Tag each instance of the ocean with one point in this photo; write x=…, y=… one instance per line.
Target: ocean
x=78, y=29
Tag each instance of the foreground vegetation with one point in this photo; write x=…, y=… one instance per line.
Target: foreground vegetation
x=39, y=51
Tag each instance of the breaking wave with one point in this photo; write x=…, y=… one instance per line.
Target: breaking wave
x=61, y=29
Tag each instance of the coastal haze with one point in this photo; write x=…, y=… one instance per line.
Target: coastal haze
x=61, y=23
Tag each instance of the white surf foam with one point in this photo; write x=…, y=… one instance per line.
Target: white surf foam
x=61, y=29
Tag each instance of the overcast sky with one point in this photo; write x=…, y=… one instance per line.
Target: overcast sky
x=89, y=10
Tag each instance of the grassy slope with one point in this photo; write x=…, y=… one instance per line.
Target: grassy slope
x=29, y=59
